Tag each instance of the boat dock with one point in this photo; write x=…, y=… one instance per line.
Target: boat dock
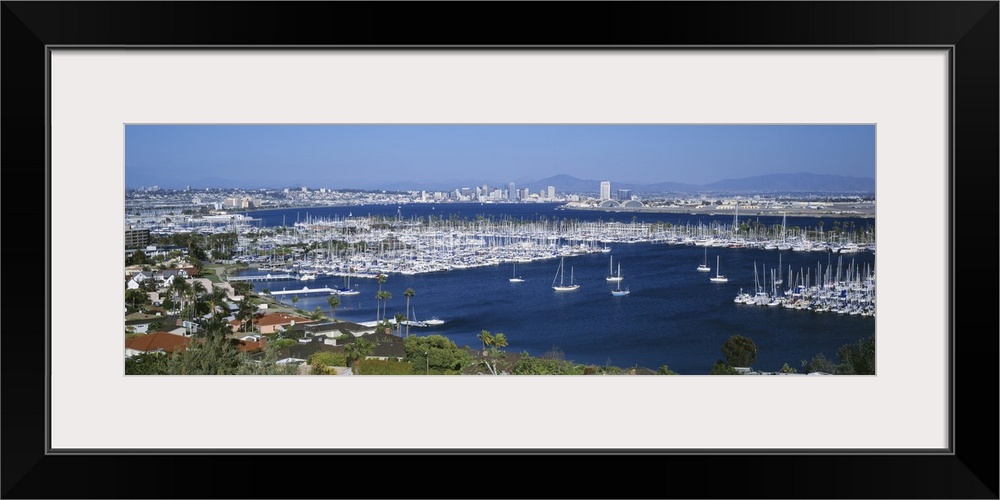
x=262, y=277
x=304, y=291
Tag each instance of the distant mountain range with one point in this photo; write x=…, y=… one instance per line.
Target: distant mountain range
x=772, y=183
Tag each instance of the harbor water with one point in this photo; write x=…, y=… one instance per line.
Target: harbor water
x=673, y=316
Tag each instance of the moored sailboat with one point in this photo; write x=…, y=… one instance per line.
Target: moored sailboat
x=561, y=287
x=611, y=271
x=619, y=292
x=515, y=278
x=718, y=278
x=703, y=267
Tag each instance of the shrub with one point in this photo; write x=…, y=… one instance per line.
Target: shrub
x=327, y=358
x=379, y=367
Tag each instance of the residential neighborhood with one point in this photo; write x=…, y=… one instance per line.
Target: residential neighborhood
x=178, y=306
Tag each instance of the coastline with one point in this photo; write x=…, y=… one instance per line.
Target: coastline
x=845, y=211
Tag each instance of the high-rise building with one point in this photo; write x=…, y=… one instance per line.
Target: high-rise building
x=511, y=192
x=552, y=192
x=624, y=194
x=605, y=190
x=136, y=238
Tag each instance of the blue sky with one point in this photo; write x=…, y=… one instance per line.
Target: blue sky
x=370, y=156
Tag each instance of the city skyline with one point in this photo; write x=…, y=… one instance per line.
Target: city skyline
x=396, y=156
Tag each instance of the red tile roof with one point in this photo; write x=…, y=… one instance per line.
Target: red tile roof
x=167, y=342
x=252, y=346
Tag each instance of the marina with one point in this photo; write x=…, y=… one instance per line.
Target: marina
x=669, y=313
x=333, y=241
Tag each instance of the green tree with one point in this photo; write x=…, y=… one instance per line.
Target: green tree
x=322, y=362
x=664, y=370
x=491, y=348
x=283, y=342
x=358, y=350
x=181, y=289
x=217, y=298
x=241, y=287
x=819, y=363
x=136, y=297
x=334, y=302
x=215, y=356
x=409, y=294
x=530, y=365
x=137, y=258
x=147, y=363
x=435, y=353
x=499, y=341
x=487, y=338
x=722, y=368
x=787, y=369
x=378, y=296
x=739, y=351
x=858, y=359
x=317, y=314
x=379, y=367
x=295, y=299
x=198, y=289
x=399, y=321
x=168, y=303
x=382, y=298
x=214, y=327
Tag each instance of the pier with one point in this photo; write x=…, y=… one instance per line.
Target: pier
x=305, y=290
x=262, y=277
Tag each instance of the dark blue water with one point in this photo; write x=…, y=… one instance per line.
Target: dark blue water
x=532, y=212
x=674, y=315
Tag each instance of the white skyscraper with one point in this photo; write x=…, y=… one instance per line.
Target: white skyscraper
x=605, y=190
x=552, y=192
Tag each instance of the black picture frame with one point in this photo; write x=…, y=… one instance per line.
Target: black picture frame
x=969, y=28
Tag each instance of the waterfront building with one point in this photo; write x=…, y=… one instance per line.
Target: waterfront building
x=624, y=194
x=605, y=190
x=511, y=192
x=136, y=238
x=552, y=192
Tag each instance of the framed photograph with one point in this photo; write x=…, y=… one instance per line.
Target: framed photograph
x=917, y=81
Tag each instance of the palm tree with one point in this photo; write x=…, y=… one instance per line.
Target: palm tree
x=334, y=302
x=317, y=314
x=215, y=327
x=499, y=340
x=197, y=291
x=486, y=337
x=409, y=293
x=358, y=349
x=181, y=288
x=399, y=321
x=245, y=314
x=216, y=298
x=384, y=296
x=198, y=288
x=378, y=296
